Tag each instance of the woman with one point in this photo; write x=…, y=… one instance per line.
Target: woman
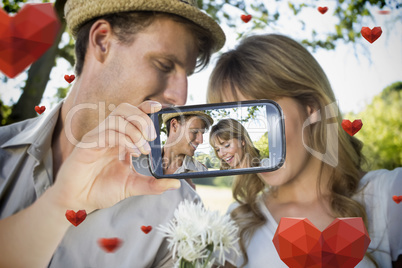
x=233, y=146
x=321, y=178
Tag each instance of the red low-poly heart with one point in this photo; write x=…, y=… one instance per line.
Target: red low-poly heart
x=371, y=35
x=341, y=245
x=110, y=245
x=76, y=218
x=322, y=10
x=40, y=109
x=26, y=36
x=146, y=229
x=246, y=18
x=69, y=78
x=397, y=199
x=352, y=128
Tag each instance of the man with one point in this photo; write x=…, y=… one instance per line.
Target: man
x=184, y=134
x=133, y=57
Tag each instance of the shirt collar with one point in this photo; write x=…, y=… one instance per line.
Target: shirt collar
x=188, y=163
x=38, y=132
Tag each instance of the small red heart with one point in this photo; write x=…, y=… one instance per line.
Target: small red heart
x=397, y=199
x=246, y=18
x=352, y=128
x=371, y=35
x=40, y=109
x=69, y=78
x=384, y=12
x=322, y=10
x=146, y=229
x=76, y=218
x=342, y=244
x=110, y=245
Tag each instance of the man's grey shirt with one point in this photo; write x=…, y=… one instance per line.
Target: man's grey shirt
x=26, y=172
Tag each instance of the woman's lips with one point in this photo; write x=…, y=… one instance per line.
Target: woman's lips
x=229, y=159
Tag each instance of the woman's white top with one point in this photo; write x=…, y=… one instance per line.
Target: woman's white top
x=384, y=219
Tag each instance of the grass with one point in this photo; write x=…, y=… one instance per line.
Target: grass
x=215, y=198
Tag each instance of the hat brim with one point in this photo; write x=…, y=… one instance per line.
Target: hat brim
x=81, y=11
x=167, y=117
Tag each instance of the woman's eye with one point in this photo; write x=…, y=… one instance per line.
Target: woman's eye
x=227, y=145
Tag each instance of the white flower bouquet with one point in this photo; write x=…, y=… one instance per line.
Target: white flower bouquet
x=195, y=234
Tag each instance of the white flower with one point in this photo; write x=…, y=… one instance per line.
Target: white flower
x=195, y=233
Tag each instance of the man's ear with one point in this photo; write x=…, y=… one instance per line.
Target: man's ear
x=100, y=37
x=174, y=125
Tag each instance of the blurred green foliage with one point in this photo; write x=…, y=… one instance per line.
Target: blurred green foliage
x=5, y=111
x=382, y=129
x=12, y=6
x=266, y=14
x=262, y=145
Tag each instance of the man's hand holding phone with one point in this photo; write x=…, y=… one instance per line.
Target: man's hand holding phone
x=95, y=177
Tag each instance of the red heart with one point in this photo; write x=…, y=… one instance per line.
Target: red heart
x=342, y=244
x=69, y=78
x=146, y=229
x=26, y=36
x=397, y=199
x=352, y=128
x=371, y=35
x=246, y=18
x=384, y=12
x=40, y=109
x=110, y=245
x=76, y=218
x=322, y=10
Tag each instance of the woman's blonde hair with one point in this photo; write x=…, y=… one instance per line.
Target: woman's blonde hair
x=227, y=129
x=272, y=67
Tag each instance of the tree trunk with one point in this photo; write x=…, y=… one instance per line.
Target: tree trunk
x=38, y=76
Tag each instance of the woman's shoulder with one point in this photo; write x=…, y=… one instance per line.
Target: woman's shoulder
x=384, y=215
x=377, y=187
x=376, y=190
x=382, y=178
x=232, y=207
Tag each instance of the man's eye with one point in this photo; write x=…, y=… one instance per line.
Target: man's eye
x=165, y=66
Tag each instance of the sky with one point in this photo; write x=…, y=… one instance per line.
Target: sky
x=356, y=72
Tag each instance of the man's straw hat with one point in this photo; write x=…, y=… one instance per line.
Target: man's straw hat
x=77, y=12
x=166, y=117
